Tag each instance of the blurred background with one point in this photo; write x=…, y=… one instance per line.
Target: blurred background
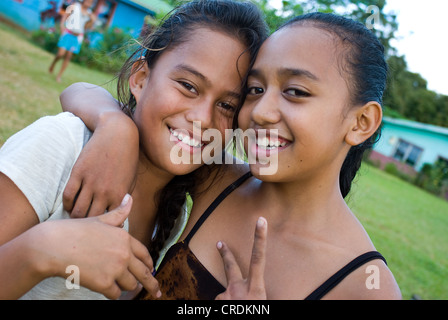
x=401, y=192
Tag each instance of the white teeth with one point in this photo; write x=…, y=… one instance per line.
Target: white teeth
x=186, y=139
x=266, y=143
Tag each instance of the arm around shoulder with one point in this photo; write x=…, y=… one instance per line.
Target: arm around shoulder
x=89, y=102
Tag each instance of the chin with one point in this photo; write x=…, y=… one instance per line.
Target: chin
x=265, y=172
x=182, y=169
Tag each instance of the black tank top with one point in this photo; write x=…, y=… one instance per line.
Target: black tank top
x=182, y=276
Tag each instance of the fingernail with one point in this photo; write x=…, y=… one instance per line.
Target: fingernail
x=261, y=222
x=158, y=294
x=125, y=199
x=219, y=245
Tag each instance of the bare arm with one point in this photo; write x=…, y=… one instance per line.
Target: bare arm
x=91, y=103
x=16, y=216
x=106, y=168
x=109, y=259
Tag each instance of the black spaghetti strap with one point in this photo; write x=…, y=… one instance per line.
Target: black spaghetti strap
x=344, y=272
x=215, y=203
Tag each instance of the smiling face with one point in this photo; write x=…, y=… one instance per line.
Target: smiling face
x=198, y=80
x=296, y=87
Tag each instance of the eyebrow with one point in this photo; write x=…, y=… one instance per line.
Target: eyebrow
x=298, y=72
x=189, y=69
x=288, y=72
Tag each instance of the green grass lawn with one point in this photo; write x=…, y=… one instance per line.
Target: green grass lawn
x=28, y=91
x=407, y=225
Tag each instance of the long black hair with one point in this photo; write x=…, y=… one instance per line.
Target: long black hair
x=364, y=63
x=240, y=19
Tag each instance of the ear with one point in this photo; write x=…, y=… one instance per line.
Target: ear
x=366, y=120
x=137, y=80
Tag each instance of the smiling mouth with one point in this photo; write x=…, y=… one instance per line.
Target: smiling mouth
x=272, y=143
x=184, y=137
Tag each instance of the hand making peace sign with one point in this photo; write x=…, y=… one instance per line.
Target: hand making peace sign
x=252, y=288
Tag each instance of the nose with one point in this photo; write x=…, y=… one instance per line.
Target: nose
x=266, y=110
x=202, y=111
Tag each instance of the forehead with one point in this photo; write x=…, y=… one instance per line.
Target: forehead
x=213, y=53
x=303, y=47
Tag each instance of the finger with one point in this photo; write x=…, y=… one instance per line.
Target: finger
x=223, y=296
x=117, y=217
x=127, y=281
x=113, y=292
x=143, y=274
x=258, y=259
x=82, y=203
x=98, y=207
x=142, y=268
x=115, y=203
x=231, y=268
x=141, y=252
x=71, y=192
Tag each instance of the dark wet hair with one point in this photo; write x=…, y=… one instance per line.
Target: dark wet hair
x=363, y=61
x=239, y=19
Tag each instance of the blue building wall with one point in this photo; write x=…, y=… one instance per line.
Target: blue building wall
x=432, y=139
x=24, y=13
x=129, y=18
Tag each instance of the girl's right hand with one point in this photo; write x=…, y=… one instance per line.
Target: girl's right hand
x=106, y=168
x=109, y=258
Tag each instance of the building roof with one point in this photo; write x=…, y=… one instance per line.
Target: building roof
x=417, y=125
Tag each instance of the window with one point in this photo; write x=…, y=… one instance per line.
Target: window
x=407, y=153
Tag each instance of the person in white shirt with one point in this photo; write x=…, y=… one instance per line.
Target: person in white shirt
x=77, y=18
x=190, y=69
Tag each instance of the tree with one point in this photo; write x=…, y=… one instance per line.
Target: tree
x=355, y=9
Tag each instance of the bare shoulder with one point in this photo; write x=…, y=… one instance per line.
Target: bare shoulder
x=371, y=281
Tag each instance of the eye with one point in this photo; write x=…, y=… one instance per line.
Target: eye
x=188, y=86
x=297, y=93
x=227, y=107
x=255, y=90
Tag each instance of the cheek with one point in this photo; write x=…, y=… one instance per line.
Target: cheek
x=222, y=123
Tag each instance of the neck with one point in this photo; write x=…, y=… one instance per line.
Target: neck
x=150, y=180
x=308, y=202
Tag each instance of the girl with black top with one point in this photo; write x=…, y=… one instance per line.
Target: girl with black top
x=319, y=81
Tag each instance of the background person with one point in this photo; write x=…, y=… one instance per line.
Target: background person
x=75, y=21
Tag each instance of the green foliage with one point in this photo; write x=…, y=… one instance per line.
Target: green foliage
x=109, y=53
x=408, y=96
x=434, y=178
x=46, y=39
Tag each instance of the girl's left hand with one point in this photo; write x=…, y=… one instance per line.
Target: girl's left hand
x=252, y=288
